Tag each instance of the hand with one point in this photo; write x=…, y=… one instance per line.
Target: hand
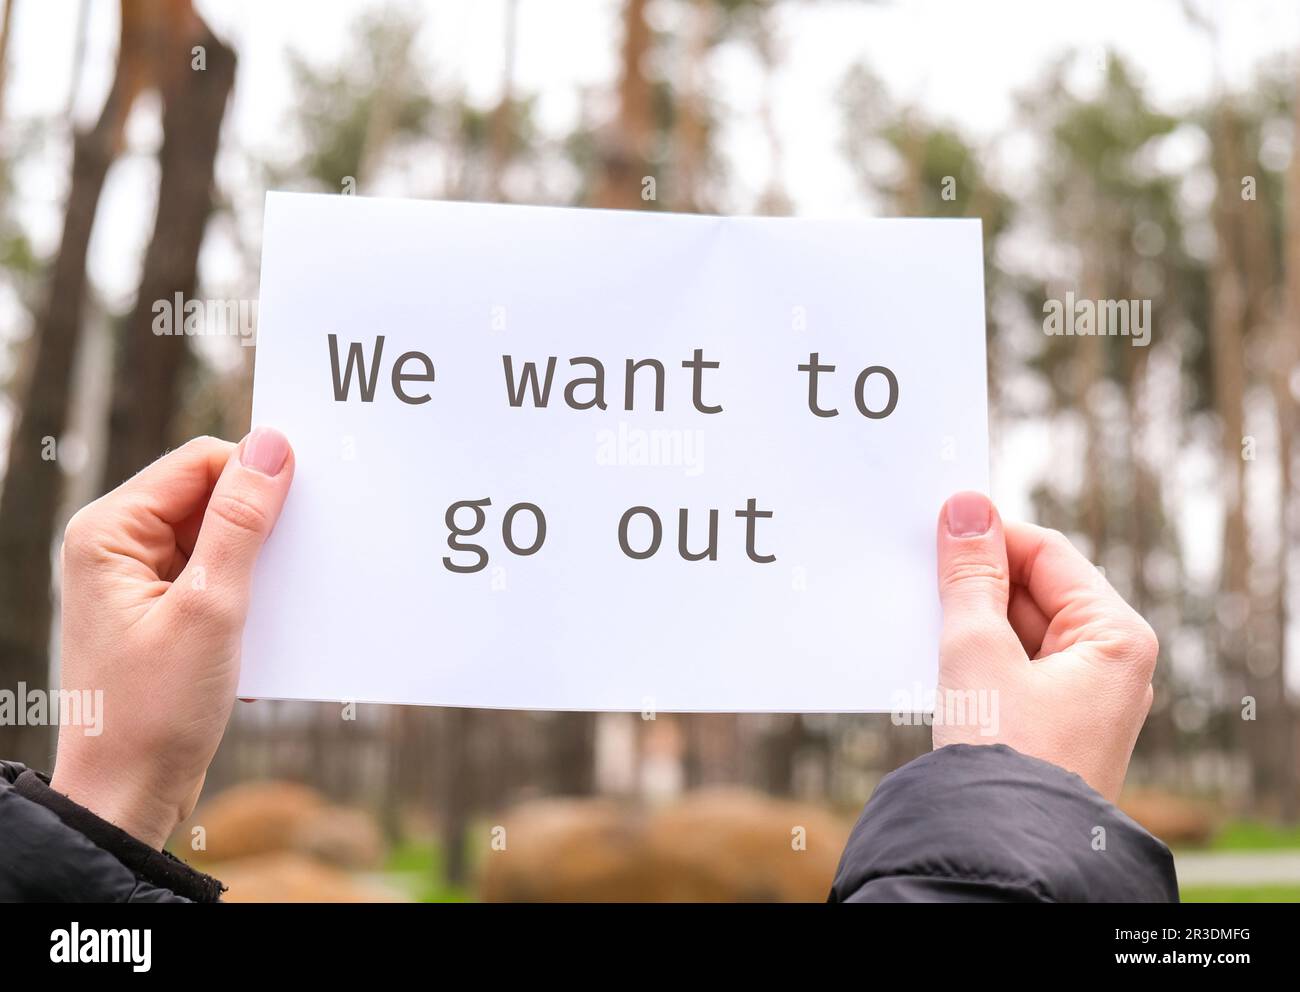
x=156, y=579
x=1035, y=636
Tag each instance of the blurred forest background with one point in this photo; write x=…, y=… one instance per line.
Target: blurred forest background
x=1173, y=465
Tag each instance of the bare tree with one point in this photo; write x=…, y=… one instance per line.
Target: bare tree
x=1285, y=366
x=196, y=72
x=626, y=143
x=6, y=22
x=33, y=485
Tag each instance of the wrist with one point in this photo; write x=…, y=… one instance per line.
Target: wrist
x=120, y=800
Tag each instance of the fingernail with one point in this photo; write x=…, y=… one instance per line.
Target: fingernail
x=969, y=514
x=265, y=450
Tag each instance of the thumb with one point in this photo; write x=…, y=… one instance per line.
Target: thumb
x=974, y=584
x=244, y=506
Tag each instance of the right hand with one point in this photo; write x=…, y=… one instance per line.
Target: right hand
x=157, y=578
x=1028, y=620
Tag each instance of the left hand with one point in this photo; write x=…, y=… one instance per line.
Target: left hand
x=1035, y=637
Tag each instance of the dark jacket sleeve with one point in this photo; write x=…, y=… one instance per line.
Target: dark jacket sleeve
x=53, y=850
x=984, y=823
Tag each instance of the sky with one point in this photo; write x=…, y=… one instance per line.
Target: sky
x=961, y=61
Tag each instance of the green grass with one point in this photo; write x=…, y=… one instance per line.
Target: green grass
x=414, y=855
x=1248, y=835
x=416, y=867
x=1241, y=893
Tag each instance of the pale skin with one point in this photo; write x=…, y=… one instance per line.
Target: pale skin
x=156, y=585
x=1028, y=617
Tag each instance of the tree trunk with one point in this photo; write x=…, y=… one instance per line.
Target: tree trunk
x=1286, y=364
x=1228, y=316
x=6, y=23
x=33, y=490
x=626, y=147
x=501, y=127
x=457, y=755
x=149, y=365
x=690, y=136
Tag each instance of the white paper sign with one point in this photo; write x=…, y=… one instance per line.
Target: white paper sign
x=818, y=591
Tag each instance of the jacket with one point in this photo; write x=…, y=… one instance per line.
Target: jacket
x=985, y=823
x=52, y=850
x=961, y=824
